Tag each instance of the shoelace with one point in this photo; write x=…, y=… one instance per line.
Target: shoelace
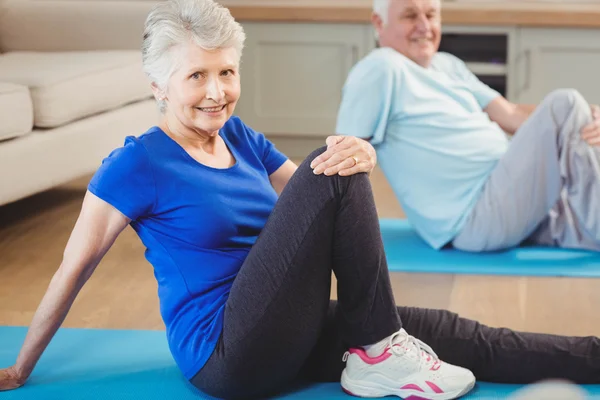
x=408, y=341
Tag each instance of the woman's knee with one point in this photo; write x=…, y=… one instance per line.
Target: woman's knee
x=305, y=164
x=306, y=169
x=315, y=153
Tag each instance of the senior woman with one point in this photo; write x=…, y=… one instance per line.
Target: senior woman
x=243, y=244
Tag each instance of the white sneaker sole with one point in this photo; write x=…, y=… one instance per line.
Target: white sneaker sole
x=359, y=388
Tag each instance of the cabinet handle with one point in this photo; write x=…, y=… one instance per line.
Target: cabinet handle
x=525, y=85
x=354, y=54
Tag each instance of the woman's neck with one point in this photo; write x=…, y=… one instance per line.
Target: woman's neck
x=190, y=138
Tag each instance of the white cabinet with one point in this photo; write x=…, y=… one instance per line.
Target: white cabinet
x=292, y=74
x=555, y=58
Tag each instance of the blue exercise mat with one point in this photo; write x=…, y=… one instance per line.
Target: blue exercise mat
x=136, y=364
x=407, y=252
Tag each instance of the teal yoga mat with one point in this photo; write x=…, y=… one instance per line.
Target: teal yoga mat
x=134, y=364
x=407, y=252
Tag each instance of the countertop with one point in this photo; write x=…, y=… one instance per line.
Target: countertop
x=535, y=13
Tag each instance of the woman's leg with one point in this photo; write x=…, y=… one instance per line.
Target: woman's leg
x=278, y=303
x=492, y=354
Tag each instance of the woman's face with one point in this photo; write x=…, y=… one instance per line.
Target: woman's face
x=204, y=90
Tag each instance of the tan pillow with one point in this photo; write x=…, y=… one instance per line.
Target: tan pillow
x=66, y=86
x=16, y=111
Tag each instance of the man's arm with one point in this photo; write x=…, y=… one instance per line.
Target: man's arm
x=511, y=116
x=507, y=115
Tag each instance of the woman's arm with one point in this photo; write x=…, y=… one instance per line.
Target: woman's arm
x=95, y=231
x=282, y=175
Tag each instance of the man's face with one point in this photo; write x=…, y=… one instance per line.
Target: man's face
x=413, y=28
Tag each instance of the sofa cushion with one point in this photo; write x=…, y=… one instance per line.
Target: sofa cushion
x=16, y=111
x=66, y=86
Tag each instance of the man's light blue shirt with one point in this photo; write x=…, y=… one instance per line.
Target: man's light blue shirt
x=435, y=144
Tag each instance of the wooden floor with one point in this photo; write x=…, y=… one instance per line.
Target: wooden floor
x=122, y=292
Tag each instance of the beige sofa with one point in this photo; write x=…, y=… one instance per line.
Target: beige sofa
x=71, y=88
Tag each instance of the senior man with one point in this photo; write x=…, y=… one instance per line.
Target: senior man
x=443, y=140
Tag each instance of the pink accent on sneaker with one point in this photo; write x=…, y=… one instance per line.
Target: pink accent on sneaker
x=349, y=392
x=374, y=360
x=412, y=386
x=436, y=366
x=413, y=397
x=434, y=387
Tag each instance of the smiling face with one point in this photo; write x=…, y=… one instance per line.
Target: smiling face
x=203, y=92
x=413, y=28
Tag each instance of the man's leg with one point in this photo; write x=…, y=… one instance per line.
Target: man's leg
x=546, y=187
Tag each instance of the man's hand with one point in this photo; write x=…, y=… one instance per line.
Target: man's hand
x=10, y=379
x=591, y=132
x=345, y=155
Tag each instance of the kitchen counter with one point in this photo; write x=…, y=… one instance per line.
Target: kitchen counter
x=533, y=13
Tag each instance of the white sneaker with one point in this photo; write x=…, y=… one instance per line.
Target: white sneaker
x=408, y=368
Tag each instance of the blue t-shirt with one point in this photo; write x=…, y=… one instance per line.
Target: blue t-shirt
x=435, y=144
x=198, y=224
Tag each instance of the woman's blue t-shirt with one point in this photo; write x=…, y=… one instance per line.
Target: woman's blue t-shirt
x=198, y=224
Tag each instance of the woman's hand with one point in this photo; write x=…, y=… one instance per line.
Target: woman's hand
x=591, y=132
x=10, y=379
x=345, y=155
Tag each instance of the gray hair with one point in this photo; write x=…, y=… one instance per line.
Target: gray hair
x=381, y=8
x=174, y=22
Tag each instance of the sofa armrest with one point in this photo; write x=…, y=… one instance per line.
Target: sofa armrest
x=71, y=25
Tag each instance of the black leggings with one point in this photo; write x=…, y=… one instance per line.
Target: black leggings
x=280, y=325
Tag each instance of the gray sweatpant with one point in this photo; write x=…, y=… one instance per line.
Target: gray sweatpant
x=546, y=188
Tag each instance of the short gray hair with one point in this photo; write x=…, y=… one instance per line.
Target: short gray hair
x=174, y=22
x=381, y=8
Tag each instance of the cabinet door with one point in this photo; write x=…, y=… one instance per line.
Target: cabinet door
x=293, y=73
x=551, y=59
